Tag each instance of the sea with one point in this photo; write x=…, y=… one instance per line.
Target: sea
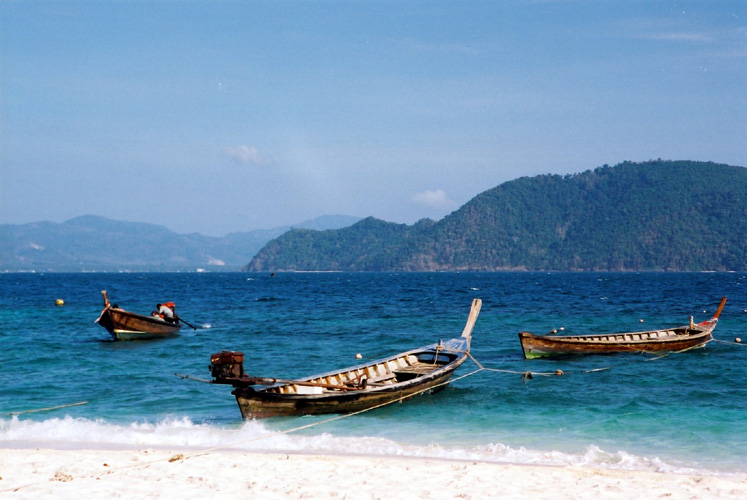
x=65, y=384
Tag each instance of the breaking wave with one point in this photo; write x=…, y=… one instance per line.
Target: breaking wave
x=255, y=436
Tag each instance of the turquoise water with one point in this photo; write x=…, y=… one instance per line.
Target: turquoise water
x=682, y=412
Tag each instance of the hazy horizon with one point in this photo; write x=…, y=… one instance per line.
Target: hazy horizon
x=229, y=117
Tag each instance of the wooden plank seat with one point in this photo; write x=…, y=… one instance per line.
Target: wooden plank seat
x=414, y=370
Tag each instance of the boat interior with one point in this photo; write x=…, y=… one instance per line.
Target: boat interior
x=387, y=372
x=633, y=336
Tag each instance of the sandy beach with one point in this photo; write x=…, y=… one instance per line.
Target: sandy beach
x=165, y=474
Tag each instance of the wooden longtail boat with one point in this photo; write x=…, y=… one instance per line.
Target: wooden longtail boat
x=124, y=325
x=402, y=376
x=668, y=339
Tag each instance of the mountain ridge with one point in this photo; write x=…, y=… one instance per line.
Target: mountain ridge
x=656, y=215
x=96, y=243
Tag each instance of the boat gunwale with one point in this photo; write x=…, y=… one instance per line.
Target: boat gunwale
x=590, y=339
x=116, y=325
x=389, y=385
x=460, y=356
x=693, y=335
x=141, y=317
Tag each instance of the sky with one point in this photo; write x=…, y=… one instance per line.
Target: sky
x=223, y=116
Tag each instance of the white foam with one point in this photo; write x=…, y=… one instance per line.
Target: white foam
x=71, y=432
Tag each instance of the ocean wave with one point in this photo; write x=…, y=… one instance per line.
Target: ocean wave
x=255, y=436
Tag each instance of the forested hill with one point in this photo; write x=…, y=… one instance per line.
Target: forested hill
x=657, y=215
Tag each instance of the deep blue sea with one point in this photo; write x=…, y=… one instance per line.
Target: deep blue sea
x=681, y=412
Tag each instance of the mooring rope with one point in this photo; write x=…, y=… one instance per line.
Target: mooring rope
x=525, y=375
x=480, y=368
x=727, y=342
x=346, y=415
x=207, y=451
x=13, y=413
x=529, y=374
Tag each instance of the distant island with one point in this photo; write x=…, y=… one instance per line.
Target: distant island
x=98, y=244
x=651, y=216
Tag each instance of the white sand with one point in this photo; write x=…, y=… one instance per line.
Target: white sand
x=160, y=474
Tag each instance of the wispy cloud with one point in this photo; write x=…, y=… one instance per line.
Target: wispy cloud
x=244, y=155
x=433, y=199
x=462, y=49
x=678, y=37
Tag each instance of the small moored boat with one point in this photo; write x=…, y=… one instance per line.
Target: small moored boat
x=396, y=378
x=124, y=325
x=668, y=339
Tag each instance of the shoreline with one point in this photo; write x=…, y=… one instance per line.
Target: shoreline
x=179, y=473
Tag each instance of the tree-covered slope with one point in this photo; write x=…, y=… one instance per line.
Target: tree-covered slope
x=368, y=245
x=658, y=215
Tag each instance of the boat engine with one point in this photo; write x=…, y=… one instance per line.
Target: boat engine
x=227, y=365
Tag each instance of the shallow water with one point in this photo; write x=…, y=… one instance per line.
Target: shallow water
x=681, y=412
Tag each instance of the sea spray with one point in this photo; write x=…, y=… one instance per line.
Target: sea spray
x=254, y=436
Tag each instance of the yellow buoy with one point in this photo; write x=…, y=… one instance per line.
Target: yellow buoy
x=59, y=302
x=738, y=340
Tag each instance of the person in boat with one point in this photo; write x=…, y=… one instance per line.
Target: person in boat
x=167, y=312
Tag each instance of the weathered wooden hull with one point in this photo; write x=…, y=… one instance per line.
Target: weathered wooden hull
x=666, y=340
x=675, y=339
x=124, y=325
x=399, y=377
x=267, y=403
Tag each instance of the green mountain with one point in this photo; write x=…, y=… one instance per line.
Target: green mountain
x=92, y=243
x=657, y=215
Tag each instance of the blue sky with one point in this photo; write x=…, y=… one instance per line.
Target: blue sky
x=222, y=116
